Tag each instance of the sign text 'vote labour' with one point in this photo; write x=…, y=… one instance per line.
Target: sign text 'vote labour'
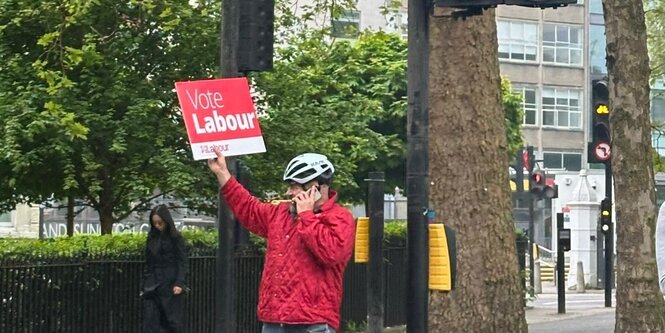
x=220, y=113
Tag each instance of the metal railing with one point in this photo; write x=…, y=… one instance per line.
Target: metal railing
x=101, y=295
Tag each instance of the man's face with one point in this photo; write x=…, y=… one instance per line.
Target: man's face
x=294, y=188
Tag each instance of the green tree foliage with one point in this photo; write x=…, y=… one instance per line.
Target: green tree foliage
x=89, y=110
x=655, y=20
x=87, y=99
x=345, y=99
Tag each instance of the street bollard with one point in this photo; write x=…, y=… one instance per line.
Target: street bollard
x=538, y=286
x=580, y=277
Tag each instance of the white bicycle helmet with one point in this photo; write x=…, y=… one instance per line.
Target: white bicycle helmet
x=306, y=167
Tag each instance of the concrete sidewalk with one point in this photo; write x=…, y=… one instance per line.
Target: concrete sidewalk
x=544, y=308
x=545, y=305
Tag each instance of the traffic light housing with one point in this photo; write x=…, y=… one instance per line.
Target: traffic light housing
x=255, y=35
x=539, y=188
x=493, y=3
x=600, y=122
x=606, y=215
x=518, y=176
x=537, y=184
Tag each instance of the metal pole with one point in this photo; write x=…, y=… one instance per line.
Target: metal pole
x=532, y=230
x=417, y=166
x=242, y=174
x=375, y=292
x=609, y=240
x=600, y=263
x=225, y=297
x=531, y=242
x=560, y=272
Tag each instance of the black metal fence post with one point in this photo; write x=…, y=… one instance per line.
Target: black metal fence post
x=375, y=292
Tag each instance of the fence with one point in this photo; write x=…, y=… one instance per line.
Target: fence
x=96, y=295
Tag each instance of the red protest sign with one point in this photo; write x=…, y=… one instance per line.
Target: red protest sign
x=220, y=113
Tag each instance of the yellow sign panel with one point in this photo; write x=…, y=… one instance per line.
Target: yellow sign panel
x=440, y=269
x=362, y=240
x=602, y=109
x=513, y=186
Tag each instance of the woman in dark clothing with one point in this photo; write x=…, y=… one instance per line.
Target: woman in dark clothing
x=167, y=267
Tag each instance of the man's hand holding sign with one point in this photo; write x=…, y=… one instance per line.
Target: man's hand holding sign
x=220, y=114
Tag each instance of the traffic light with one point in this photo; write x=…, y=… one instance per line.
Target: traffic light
x=539, y=188
x=255, y=35
x=518, y=176
x=493, y=3
x=606, y=215
x=599, y=149
x=537, y=183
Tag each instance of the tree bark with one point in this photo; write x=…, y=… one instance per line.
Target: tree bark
x=640, y=305
x=469, y=173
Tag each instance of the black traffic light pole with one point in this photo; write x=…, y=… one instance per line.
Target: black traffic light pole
x=417, y=166
x=375, y=277
x=560, y=269
x=609, y=240
x=598, y=152
x=225, y=297
x=532, y=198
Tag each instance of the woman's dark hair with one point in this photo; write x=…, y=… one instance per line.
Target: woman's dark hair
x=163, y=212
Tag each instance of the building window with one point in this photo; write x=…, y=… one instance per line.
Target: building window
x=6, y=220
x=597, y=52
x=658, y=120
x=529, y=105
x=561, y=108
x=518, y=40
x=596, y=7
x=658, y=107
x=562, y=44
x=567, y=161
x=347, y=24
x=398, y=22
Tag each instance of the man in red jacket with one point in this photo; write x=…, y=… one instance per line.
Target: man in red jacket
x=310, y=241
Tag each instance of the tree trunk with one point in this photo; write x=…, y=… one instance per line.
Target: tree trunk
x=70, y=215
x=469, y=173
x=640, y=305
x=106, y=219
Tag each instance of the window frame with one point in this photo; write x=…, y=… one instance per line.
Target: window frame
x=567, y=45
x=347, y=17
x=7, y=219
x=521, y=88
x=557, y=108
x=524, y=43
x=562, y=159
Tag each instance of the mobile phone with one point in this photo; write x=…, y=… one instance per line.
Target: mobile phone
x=317, y=194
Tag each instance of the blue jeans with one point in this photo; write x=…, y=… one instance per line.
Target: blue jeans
x=286, y=328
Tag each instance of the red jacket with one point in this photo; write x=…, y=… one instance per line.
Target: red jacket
x=305, y=258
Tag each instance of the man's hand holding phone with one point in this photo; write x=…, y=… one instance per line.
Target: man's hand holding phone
x=305, y=201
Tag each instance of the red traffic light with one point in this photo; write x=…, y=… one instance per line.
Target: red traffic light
x=538, y=178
